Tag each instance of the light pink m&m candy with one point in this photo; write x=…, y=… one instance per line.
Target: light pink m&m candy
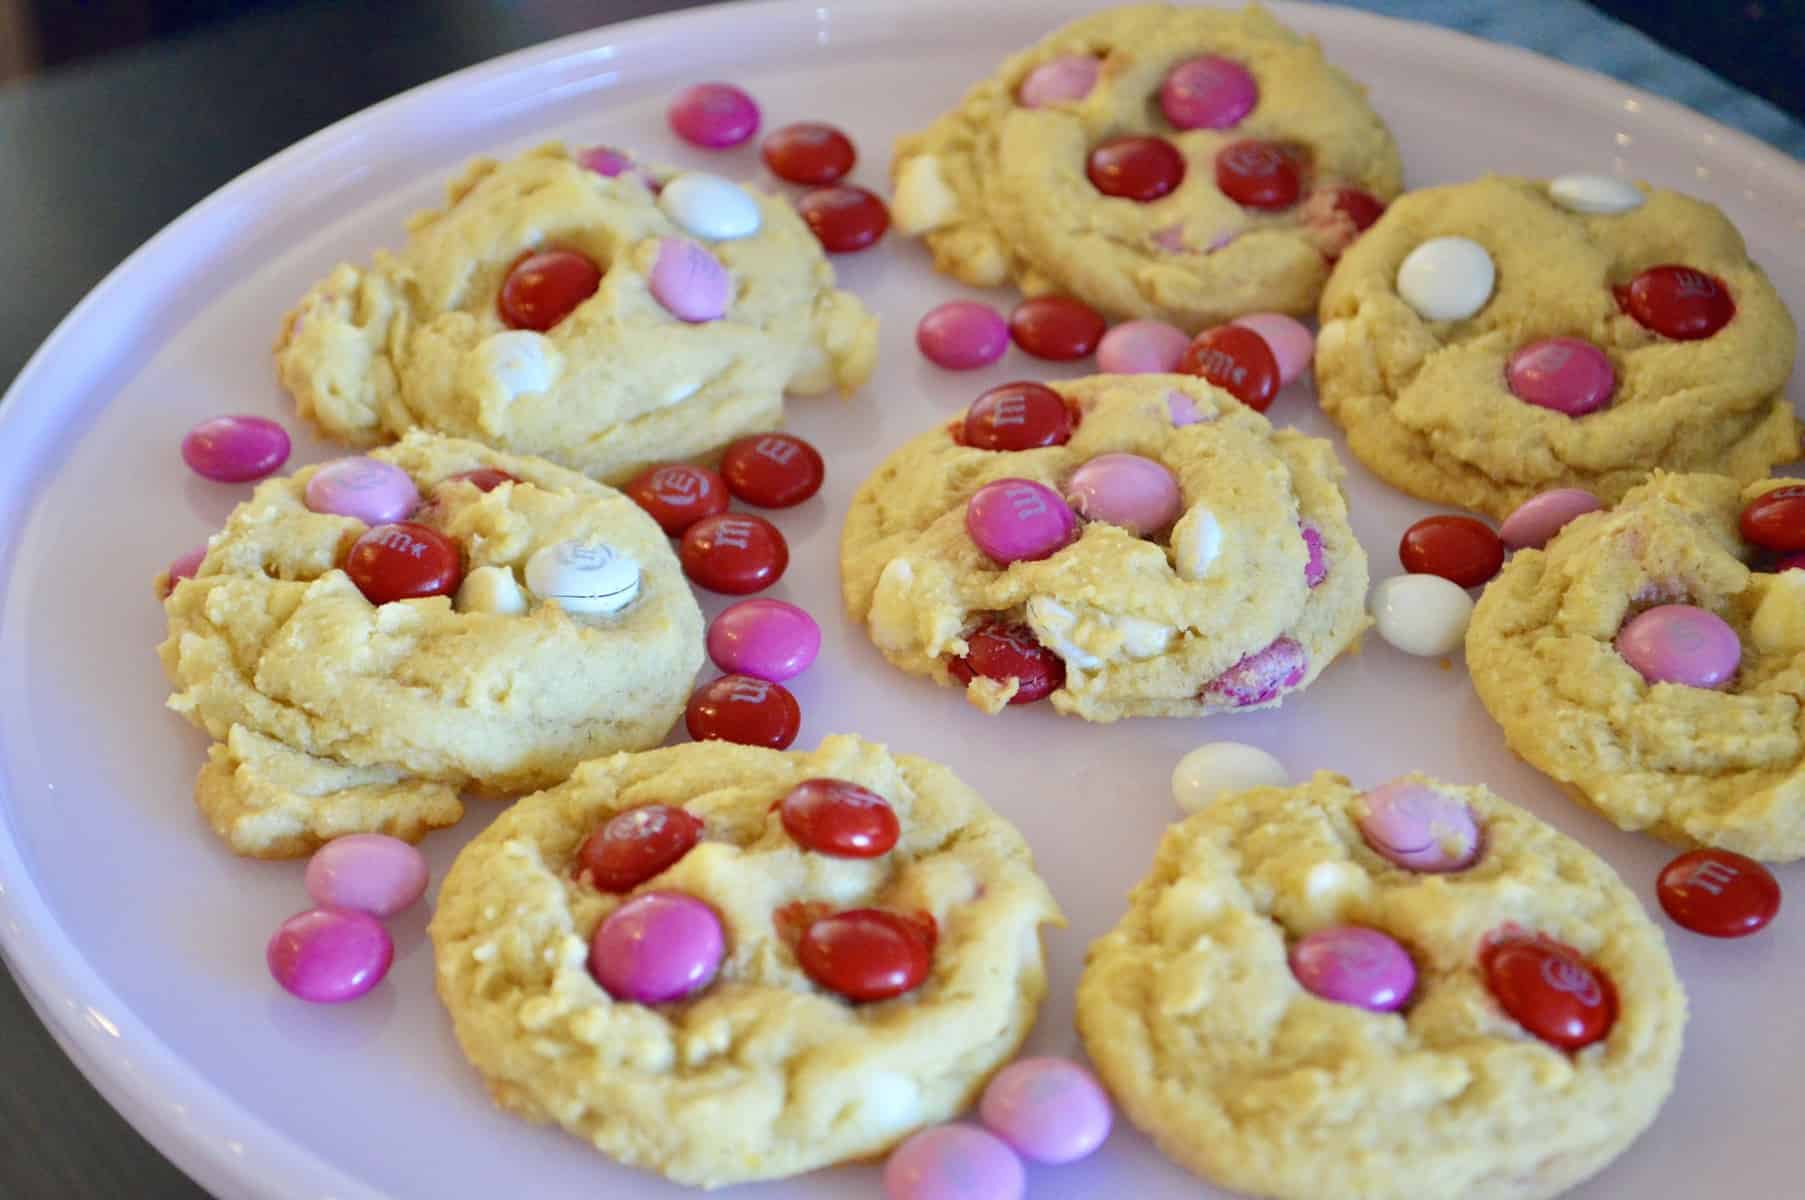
x=1679, y=643
x=1018, y=520
x=962, y=335
x=1291, y=343
x=1136, y=493
x=1566, y=374
x=235, y=449
x=1050, y=1110
x=1141, y=347
x=1059, y=80
x=1350, y=964
x=713, y=115
x=954, y=1162
x=1419, y=828
x=690, y=282
x=657, y=947
x=766, y=639
x=373, y=491
x=1539, y=518
x=330, y=955
x=369, y=872
x=1211, y=92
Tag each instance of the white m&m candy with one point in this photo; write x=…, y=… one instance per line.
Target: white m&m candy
x=1598, y=195
x=583, y=577
x=1424, y=615
x=708, y=206
x=1219, y=768
x=1447, y=278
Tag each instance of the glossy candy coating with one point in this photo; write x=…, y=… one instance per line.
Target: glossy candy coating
x=1141, y=347
x=733, y=553
x=962, y=335
x=1461, y=549
x=632, y=847
x=839, y=818
x=1141, y=169
x=677, y=495
x=1019, y=520
x=1049, y=1110
x=1681, y=643
x=1000, y=651
x=844, y=217
x=1718, y=893
x=368, y=872
x=656, y=948
x=544, y=288
x=1419, y=828
x=1210, y=92
x=865, y=954
x=954, y=1162
x=809, y=152
x=1776, y=520
x=404, y=561
x=714, y=116
x=235, y=449
x=745, y=711
x=766, y=639
x=1258, y=175
x=1018, y=416
x=1678, y=302
x=1126, y=490
x=772, y=470
x=1540, y=517
x=329, y=955
x=1237, y=360
x=1056, y=328
x=1566, y=375
x=1059, y=81
x=1351, y=964
x=1549, y=989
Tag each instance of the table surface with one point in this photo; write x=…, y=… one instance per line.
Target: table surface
x=97, y=158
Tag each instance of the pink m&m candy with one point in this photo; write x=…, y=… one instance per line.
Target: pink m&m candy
x=235, y=449
x=1539, y=518
x=182, y=568
x=1679, y=643
x=330, y=955
x=1136, y=493
x=605, y=161
x=1018, y=520
x=1050, y=1110
x=962, y=335
x=1350, y=964
x=713, y=115
x=373, y=491
x=1566, y=374
x=1419, y=828
x=1211, y=92
x=1316, y=564
x=1261, y=676
x=1291, y=343
x=657, y=947
x=690, y=282
x=766, y=639
x=369, y=872
x=1141, y=347
x=954, y=1162
x=1059, y=80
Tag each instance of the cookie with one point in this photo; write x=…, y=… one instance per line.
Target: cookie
x=1290, y=1013
x=331, y=714
x=1563, y=376
x=759, y=1071
x=674, y=313
x=1695, y=765
x=1186, y=164
x=1216, y=569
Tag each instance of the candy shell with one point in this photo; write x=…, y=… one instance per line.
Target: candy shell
x=235, y=449
x=1583, y=192
x=329, y=955
x=962, y=335
x=763, y=638
x=1222, y=768
x=1127, y=490
x=1540, y=517
x=1019, y=520
x=1424, y=615
x=1353, y=965
x=713, y=115
x=1210, y=92
x=707, y=206
x=1050, y=1110
x=1059, y=81
x=1681, y=643
x=1141, y=347
x=1419, y=828
x=1291, y=342
x=657, y=947
x=689, y=282
x=1447, y=278
x=369, y=872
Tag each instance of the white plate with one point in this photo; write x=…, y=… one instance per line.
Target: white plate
x=141, y=938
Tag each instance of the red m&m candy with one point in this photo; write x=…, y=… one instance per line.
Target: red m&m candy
x=404, y=561
x=999, y=651
x=1259, y=175
x=1360, y=208
x=635, y=845
x=542, y=289
x=1678, y=302
x=677, y=495
x=745, y=711
x=1718, y=893
x=1776, y=520
x=1058, y=328
x=833, y=816
x=1018, y=416
x=1460, y=549
x=865, y=954
x=844, y=218
x=733, y=553
x=772, y=470
x=1237, y=360
x=809, y=152
x=1141, y=169
x=1549, y=989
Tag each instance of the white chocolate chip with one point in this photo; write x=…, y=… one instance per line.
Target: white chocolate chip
x=521, y=362
x=1447, y=278
x=1196, y=541
x=1597, y=195
x=1142, y=638
x=923, y=201
x=1331, y=338
x=1221, y=768
x=491, y=590
x=1329, y=881
x=1053, y=623
x=892, y=618
x=1778, y=626
x=889, y=1101
x=1424, y=615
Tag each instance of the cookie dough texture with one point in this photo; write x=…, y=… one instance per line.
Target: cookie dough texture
x=415, y=340
x=1193, y=1018
x=332, y=716
x=1143, y=624
x=1689, y=765
x=762, y=1074
x=1425, y=403
x=999, y=191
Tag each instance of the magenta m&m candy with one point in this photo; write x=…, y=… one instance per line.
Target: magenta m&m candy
x=714, y=116
x=839, y=818
x=1141, y=347
x=182, y=568
x=373, y=491
x=1018, y=416
x=954, y=1162
x=1316, y=560
x=689, y=282
x=809, y=152
x=763, y=638
x=1416, y=827
x=1565, y=374
x=1141, y=169
x=633, y=846
x=1002, y=652
x=1718, y=893
x=733, y=553
x=677, y=495
x=1261, y=676
x=1681, y=643
x=330, y=955
x=1019, y=520
x=1678, y=302
x=962, y=335
x=1057, y=328
x=235, y=449
x=1549, y=989
x=1050, y=1110
x=1059, y=81
x=745, y=711
x=772, y=470
x=369, y=872
x=656, y=948
x=1136, y=493
x=1291, y=343
x=1350, y=964
x=1210, y=92
x=1540, y=517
